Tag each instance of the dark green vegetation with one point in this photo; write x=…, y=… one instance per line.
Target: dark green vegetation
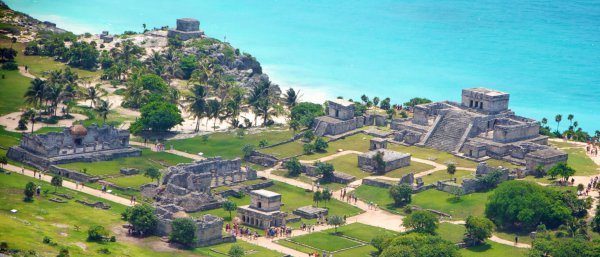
x=524, y=205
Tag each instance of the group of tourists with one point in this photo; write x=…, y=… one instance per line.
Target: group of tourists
x=592, y=148
x=590, y=186
x=133, y=200
x=316, y=254
x=373, y=206
x=282, y=231
x=237, y=230
x=36, y=173
x=349, y=198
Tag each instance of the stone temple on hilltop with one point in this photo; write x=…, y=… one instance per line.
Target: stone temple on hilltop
x=74, y=144
x=263, y=211
x=187, y=28
x=480, y=127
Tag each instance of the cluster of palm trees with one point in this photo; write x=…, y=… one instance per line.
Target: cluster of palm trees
x=60, y=87
x=574, y=131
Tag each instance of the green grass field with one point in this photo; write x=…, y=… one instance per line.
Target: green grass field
x=286, y=150
x=583, y=165
x=227, y=144
x=38, y=65
x=451, y=232
x=349, y=164
x=148, y=159
x=26, y=228
x=292, y=198
x=414, y=167
x=134, y=181
x=470, y=204
x=328, y=241
x=13, y=87
x=443, y=175
x=493, y=249
x=358, y=142
x=377, y=195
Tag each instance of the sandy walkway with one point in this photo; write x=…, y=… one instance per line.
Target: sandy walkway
x=11, y=121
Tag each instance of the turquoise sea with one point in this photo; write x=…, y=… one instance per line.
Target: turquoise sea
x=545, y=53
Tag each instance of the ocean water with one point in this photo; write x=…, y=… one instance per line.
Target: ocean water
x=546, y=54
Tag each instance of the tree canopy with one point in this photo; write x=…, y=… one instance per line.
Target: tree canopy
x=416, y=244
x=402, y=194
x=524, y=205
x=421, y=222
x=183, y=231
x=305, y=113
x=158, y=116
x=478, y=228
x=142, y=218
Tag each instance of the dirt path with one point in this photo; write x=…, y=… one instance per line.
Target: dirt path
x=26, y=73
x=71, y=185
x=175, y=152
x=11, y=121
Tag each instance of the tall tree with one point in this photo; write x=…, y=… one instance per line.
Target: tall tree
x=570, y=118
x=291, y=97
x=197, y=106
x=93, y=94
x=34, y=95
x=214, y=111
x=103, y=108
x=558, y=119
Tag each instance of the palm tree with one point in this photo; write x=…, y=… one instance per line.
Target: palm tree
x=197, y=104
x=234, y=103
x=558, y=119
x=35, y=92
x=53, y=94
x=544, y=121
x=291, y=97
x=570, y=118
x=214, y=111
x=260, y=100
x=30, y=115
x=93, y=93
x=103, y=108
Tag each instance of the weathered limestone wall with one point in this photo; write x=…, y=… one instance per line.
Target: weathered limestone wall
x=339, y=111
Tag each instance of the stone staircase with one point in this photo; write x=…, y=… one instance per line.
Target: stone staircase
x=450, y=132
x=321, y=128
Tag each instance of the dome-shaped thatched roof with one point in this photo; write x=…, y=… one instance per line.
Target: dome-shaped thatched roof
x=78, y=130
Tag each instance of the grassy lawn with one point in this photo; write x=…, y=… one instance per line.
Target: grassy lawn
x=583, y=165
x=292, y=198
x=414, y=167
x=148, y=159
x=451, y=232
x=349, y=164
x=13, y=87
x=443, y=175
x=301, y=178
x=493, y=249
x=560, y=144
x=471, y=204
x=433, y=155
x=378, y=195
x=38, y=65
x=286, y=150
x=26, y=228
x=133, y=181
x=8, y=139
x=358, y=142
x=327, y=240
x=227, y=144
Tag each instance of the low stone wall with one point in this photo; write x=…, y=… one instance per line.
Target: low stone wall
x=423, y=188
x=75, y=175
x=376, y=183
x=342, y=178
x=245, y=188
x=292, y=139
x=262, y=159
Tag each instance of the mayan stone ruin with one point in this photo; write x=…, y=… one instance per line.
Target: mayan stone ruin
x=392, y=159
x=187, y=28
x=480, y=127
x=264, y=210
x=74, y=144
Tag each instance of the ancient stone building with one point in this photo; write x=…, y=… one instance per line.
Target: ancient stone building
x=187, y=28
x=188, y=185
x=74, y=144
x=263, y=211
x=480, y=127
x=393, y=160
x=340, y=119
x=377, y=143
x=209, y=229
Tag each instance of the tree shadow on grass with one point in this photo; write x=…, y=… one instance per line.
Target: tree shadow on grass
x=479, y=248
x=454, y=200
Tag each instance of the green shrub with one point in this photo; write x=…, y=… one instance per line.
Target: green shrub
x=10, y=66
x=97, y=233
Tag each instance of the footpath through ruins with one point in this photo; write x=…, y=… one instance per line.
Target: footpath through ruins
x=370, y=216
